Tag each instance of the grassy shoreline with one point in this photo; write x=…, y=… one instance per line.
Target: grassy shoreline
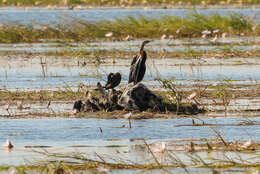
x=121, y=3
x=192, y=26
x=204, y=91
x=190, y=53
x=95, y=55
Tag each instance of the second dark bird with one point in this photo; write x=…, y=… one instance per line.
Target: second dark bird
x=138, y=68
x=113, y=80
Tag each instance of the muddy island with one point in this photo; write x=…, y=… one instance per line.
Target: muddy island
x=132, y=98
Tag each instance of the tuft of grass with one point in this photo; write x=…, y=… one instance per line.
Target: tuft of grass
x=174, y=94
x=222, y=93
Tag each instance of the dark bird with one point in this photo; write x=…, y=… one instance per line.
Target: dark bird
x=113, y=80
x=137, y=69
x=77, y=107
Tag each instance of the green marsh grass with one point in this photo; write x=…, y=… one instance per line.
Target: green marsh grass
x=175, y=94
x=121, y=3
x=141, y=27
x=222, y=93
x=91, y=55
x=224, y=90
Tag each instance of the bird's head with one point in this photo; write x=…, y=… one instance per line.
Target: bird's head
x=143, y=44
x=146, y=42
x=110, y=76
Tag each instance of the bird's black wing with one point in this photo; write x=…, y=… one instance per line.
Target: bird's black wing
x=117, y=79
x=134, y=60
x=109, y=80
x=132, y=68
x=137, y=70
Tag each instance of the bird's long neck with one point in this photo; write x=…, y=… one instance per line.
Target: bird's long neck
x=142, y=47
x=142, y=52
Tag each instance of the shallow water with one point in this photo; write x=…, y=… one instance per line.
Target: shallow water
x=135, y=43
x=180, y=45
x=45, y=16
x=68, y=134
x=23, y=73
x=135, y=48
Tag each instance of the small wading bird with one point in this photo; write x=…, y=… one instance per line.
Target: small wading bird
x=8, y=144
x=113, y=80
x=137, y=69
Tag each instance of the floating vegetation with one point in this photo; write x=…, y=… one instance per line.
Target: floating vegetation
x=194, y=25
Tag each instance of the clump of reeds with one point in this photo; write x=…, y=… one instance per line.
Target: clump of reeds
x=81, y=30
x=222, y=93
x=121, y=3
x=174, y=94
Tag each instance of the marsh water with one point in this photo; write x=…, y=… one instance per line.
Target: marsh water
x=18, y=72
x=69, y=134
x=134, y=46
